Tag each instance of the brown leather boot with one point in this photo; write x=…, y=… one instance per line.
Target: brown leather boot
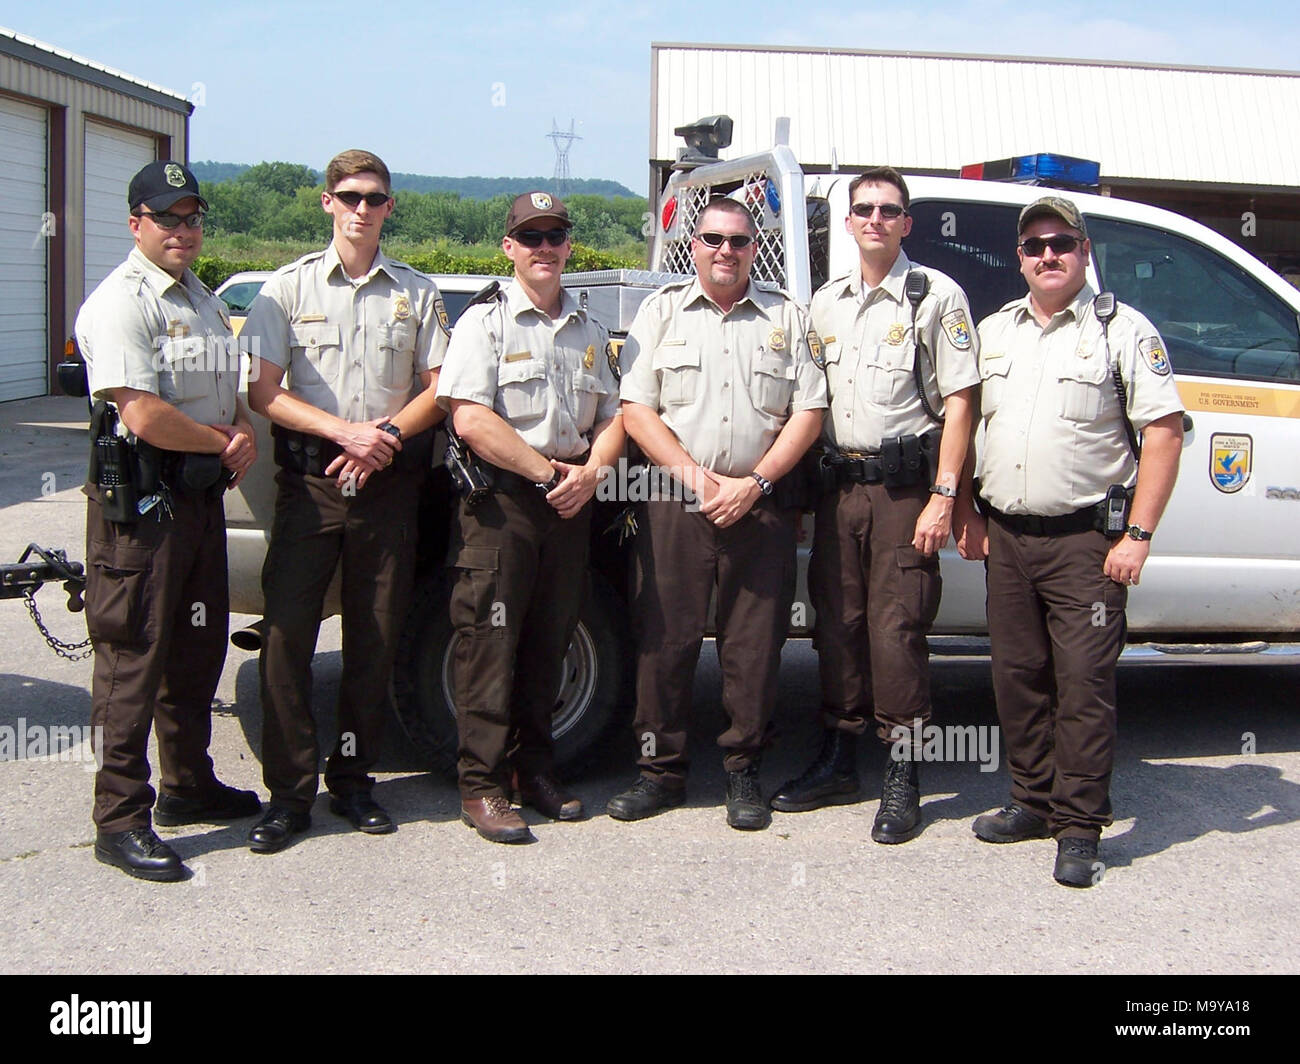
x=493, y=818
x=545, y=794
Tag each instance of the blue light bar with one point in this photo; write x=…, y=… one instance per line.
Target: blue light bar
x=1043, y=168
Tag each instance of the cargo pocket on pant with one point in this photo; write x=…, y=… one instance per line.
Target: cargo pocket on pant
x=117, y=593
x=475, y=605
x=920, y=584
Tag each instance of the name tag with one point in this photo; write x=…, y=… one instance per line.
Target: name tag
x=828, y=339
x=518, y=356
x=989, y=356
x=308, y=318
x=177, y=330
x=672, y=343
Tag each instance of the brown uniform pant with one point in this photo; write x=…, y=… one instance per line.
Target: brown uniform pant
x=1056, y=626
x=157, y=608
x=374, y=533
x=876, y=597
x=681, y=555
x=521, y=573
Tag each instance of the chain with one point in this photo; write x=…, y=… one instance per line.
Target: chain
x=64, y=650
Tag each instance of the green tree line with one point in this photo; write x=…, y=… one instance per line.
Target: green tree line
x=281, y=201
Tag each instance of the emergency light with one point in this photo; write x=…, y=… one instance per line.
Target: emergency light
x=1044, y=168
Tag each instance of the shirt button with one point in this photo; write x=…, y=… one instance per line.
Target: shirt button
x=724, y=420
x=356, y=361
x=726, y=384
x=850, y=380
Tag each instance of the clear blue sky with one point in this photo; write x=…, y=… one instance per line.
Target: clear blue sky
x=472, y=88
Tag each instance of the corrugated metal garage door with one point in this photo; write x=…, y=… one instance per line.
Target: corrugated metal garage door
x=23, y=228
x=113, y=156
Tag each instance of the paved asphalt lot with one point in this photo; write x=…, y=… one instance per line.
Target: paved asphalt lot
x=1201, y=862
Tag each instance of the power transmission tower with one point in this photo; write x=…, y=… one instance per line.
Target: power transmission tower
x=563, y=142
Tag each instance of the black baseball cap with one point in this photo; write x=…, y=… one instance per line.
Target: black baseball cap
x=162, y=183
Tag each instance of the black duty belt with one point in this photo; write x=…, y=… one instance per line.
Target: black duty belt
x=1085, y=520
x=853, y=468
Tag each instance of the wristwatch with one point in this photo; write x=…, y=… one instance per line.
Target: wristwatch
x=764, y=485
x=550, y=485
x=392, y=430
x=1138, y=532
x=944, y=490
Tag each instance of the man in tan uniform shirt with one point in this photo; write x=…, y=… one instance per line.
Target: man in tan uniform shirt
x=158, y=347
x=720, y=390
x=874, y=574
x=360, y=337
x=530, y=389
x=1055, y=446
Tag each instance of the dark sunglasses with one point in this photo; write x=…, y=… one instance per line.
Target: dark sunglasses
x=532, y=238
x=888, y=211
x=738, y=241
x=353, y=199
x=1061, y=244
x=167, y=220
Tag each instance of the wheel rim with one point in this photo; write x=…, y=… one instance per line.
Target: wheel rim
x=577, y=681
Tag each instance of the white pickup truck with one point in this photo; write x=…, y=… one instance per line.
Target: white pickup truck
x=1225, y=573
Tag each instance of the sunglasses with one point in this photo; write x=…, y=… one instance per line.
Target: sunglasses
x=532, y=238
x=738, y=241
x=1061, y=244
x=353, y=199
x=167, y=220
x=888, y=211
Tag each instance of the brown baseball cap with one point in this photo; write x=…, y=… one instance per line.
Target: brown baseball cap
x=1053, y=205
x=162, y=183
x=533, y=205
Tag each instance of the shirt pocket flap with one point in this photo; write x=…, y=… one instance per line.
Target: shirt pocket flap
x=586, y=382
x=774, y=367
x=676, y=357
x=1084, y=370
x=524, y=370
x=315, y=334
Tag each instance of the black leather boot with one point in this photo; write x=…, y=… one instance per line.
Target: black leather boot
x=899, y=817
x=832, y=779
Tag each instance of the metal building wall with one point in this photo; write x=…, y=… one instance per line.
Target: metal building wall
x=73, y=90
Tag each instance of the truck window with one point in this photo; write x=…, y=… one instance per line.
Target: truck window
x=974, y=244
x=1216, y=319
x=819, y=240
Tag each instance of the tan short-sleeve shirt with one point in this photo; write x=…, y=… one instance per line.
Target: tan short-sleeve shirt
x=143, y=329
x=1054, y=437
x=549, y=379
x=869, y=352
x=353, y=348
x=725, y=384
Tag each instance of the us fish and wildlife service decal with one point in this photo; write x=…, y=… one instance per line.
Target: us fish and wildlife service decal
x=958, y=329
x=541, y=201
x=1154, y=352
x=1230, y=462
x=614, y=348
x=816, y=350
x=440, y=309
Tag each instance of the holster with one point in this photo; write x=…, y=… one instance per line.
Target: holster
x=112, y=467
x=909, y=460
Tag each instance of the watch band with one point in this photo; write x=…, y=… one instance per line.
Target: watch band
x=764, y=485
x=1139, y=533
x=550, y=485
x=944, y=490
x=392, y=430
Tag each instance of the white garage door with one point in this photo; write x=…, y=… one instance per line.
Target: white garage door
x=113, y=157
x=23, y=229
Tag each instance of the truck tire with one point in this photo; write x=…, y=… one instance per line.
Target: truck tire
x=595, y=689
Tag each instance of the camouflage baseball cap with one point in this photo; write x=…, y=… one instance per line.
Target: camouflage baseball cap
x=1053, y=205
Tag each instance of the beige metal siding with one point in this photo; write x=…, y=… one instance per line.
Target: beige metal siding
x=936, y=113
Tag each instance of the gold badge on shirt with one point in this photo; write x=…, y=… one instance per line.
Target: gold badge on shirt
x=777, y=340
x=177, y=329
x=589, y=359
x=401, y=308
x=897, y=333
